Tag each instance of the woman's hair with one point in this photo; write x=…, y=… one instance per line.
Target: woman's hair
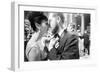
x=36, y=17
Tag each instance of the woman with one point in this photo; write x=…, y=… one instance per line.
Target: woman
x=35, y=46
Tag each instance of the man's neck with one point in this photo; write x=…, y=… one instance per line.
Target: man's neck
x=61, y=30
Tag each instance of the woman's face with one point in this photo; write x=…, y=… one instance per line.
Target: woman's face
x=44, y=27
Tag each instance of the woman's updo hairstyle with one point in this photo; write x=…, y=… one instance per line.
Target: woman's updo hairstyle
x=36, y=17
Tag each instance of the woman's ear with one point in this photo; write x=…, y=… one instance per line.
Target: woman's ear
x=37, y=25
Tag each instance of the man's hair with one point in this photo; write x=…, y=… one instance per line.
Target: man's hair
x=36, y=17
x=61, y=16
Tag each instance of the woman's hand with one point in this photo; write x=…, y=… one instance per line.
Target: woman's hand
x=45, y=41
x=52, y=43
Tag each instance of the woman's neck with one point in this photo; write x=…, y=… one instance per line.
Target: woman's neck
x=40, y=35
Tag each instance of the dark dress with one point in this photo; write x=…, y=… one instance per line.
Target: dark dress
x=87, y=43
x=68, y=48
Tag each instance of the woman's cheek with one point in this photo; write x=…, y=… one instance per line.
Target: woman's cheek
x=44, y=29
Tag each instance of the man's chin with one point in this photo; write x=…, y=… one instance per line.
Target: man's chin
x=55, y=30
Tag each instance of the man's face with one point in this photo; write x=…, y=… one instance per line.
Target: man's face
x=52, y=21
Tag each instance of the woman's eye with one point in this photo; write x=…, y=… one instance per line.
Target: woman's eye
x=46, y=23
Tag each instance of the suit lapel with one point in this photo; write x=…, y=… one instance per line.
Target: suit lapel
x=63, y=40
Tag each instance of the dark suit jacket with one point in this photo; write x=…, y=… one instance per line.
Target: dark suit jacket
x=68, y=48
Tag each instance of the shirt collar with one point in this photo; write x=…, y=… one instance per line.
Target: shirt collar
x=60, y=33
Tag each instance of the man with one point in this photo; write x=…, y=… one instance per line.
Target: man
x=86, y=37
x=66, y=47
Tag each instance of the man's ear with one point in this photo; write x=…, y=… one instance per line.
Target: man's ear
x=58, y=19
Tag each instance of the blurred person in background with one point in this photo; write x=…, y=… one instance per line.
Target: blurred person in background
x=27, y=34
x=87, y=41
